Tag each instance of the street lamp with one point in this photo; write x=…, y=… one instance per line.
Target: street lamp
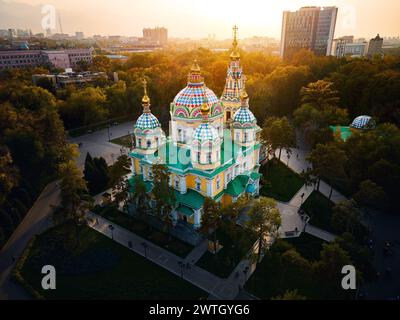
x=111, y=227
x=145, y=245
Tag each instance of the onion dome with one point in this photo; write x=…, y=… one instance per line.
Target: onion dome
x=205, y=131
x=363, y=122
x=188, y=101
x=244, y=116
x=147, y=120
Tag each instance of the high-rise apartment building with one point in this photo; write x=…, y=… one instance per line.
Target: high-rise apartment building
x=310, y=28
x=375, y=46
x=158, y=35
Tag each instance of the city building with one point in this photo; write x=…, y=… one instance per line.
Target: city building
x=57, y=58
x=375, y=46
x=79, y=35
x=205, y=155
x=345, y=46
x=157, y=35
x=310, y=28
x=69, y=77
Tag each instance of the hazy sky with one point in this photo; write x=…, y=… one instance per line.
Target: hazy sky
x=197, y=19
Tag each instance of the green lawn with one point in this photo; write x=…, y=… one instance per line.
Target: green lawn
x=100, y=269
x=124, y=141
x=162, y=239
x=280, y=182
x=307, y=245
x=236, y=244
x=319, y=208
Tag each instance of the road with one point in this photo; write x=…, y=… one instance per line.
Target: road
x=97, y=144
x=36, y=221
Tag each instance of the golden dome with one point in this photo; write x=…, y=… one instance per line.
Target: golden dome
x=244, y=95
x=195, y=68
x=205, y=109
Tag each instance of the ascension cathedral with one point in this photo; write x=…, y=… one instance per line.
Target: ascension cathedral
x=213, y=149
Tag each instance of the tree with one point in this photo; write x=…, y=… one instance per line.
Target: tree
x=83, y=107
x=346, y=217
x=327, y=161
x=320, y=94
x=8, y=174
x=118, y=180
x=96, y=174
x=211, y=219
x=264, y=221
x=279, y=134
x=328, y=268
x=140, y=195
x=290, y=295
x=74, y=198
x=370, y=195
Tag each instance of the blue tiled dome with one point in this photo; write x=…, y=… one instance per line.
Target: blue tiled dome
x=205, y=131
x=147, y=121
x=363, y=122
x=244, y=115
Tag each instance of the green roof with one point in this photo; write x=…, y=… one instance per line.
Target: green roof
x=191, y=199
x=343, y=131
x=185, y=210
x=255, y=175
x=237, y=185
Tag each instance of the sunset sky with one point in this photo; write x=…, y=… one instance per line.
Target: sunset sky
x=197, y=19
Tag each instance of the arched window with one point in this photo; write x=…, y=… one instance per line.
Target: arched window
x=176, y=183
x=139, y=143
x=198, y=184
x=198, y=157
x=218, y=182
x=148, y=143
x=209, y=160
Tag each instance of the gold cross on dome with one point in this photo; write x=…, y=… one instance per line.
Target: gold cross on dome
x=144, y=82
x=235, y=29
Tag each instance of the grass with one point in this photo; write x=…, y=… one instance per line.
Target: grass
x=162, y=239
x=124, y=141
x=280, y=182
x=99, y=268
x=236, y=242
x=319, y=208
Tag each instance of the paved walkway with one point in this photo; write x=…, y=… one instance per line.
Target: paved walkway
x=215, y=286
x=97, y=143
x=37, y=220
x=319, y=233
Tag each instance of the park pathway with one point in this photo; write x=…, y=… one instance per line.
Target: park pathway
x=319, y=233
x=37, y=220
x=215, y=286
x=298, y=163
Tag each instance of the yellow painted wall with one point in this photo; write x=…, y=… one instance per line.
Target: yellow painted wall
x=191, y=182
x=221, y=184
x=137, y=166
